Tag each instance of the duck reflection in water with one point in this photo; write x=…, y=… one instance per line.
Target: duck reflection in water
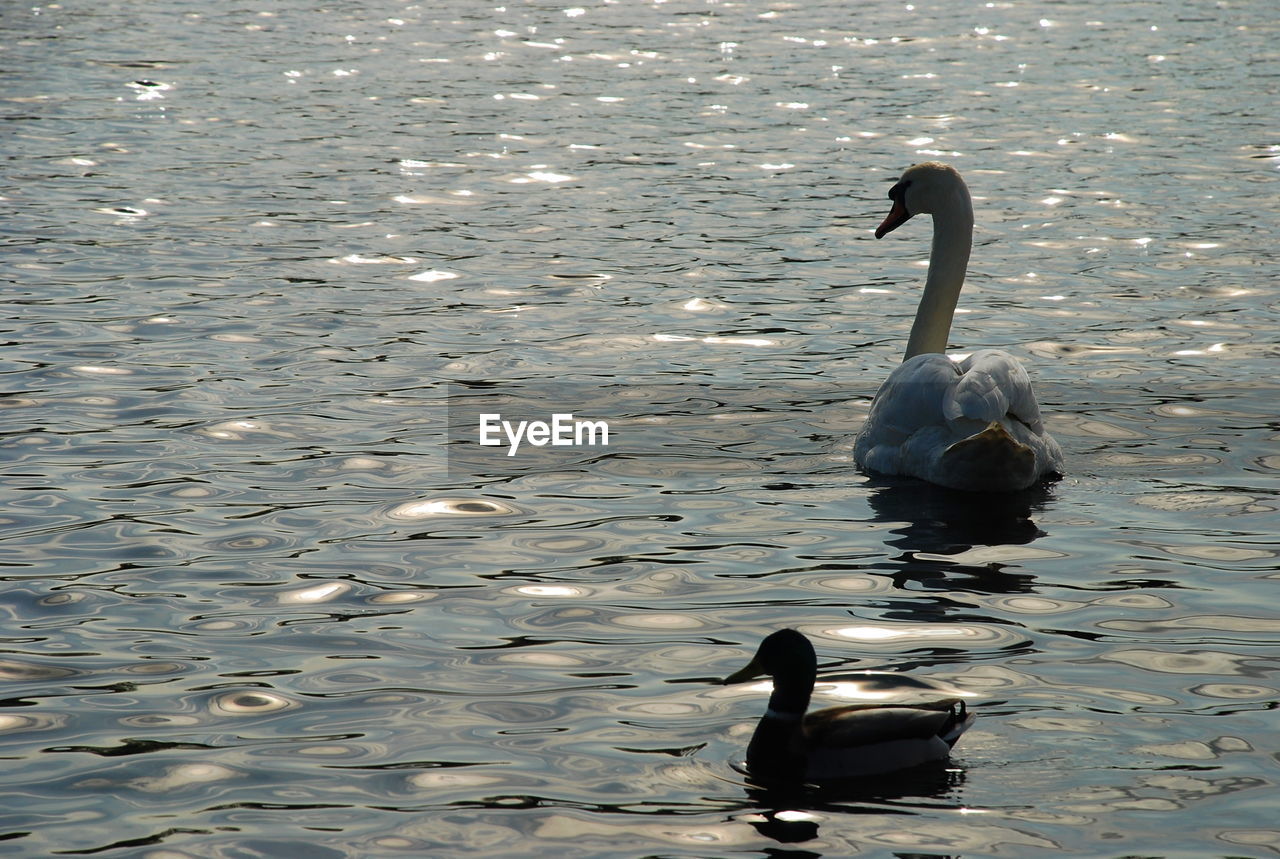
x=794, y=814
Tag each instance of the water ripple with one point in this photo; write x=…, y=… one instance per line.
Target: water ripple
x=257, y=600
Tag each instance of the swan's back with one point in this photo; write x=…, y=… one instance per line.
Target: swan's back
x=969, y=425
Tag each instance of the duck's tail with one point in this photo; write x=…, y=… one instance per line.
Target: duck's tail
x=959, y=722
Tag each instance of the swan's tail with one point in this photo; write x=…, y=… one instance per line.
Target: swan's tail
x=990, y=461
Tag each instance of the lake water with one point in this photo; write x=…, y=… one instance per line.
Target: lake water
x=261, y=262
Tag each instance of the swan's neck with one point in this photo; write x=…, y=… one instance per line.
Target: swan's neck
x=948, y=259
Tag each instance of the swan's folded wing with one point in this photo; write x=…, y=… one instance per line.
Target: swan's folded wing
x=993, y=385
x=912, y=397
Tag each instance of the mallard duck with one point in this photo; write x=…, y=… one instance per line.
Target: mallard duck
x=838, y=742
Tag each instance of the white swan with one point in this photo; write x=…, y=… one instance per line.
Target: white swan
x=972, y=424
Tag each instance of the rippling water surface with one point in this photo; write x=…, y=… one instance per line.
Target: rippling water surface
x=251, y=607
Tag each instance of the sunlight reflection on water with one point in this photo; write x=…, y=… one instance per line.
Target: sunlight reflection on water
x=253, y=584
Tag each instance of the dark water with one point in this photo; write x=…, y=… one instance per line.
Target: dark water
x=252, y=607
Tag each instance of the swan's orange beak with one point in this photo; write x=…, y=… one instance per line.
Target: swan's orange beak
x=897, y=216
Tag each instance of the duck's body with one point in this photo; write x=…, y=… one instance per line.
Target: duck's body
x=838, y=742
x=972, y=424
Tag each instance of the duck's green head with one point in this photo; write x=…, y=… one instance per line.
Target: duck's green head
x=783, y=653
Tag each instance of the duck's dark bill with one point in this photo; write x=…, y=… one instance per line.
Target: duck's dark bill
x=751, y=672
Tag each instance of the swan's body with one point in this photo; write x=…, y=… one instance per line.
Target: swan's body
x=838, y=742
x=972, y=424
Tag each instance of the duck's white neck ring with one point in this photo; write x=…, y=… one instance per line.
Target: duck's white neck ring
x=783, y=715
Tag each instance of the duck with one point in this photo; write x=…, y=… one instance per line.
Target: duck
x=842, y=742
x=971, y=424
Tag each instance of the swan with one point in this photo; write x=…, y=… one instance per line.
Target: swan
x=838, y=742
x=971, y=424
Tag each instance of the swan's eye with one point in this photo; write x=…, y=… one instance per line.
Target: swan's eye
x=899, y=191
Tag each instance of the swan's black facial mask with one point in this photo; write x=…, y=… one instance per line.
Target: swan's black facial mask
x=898, y=214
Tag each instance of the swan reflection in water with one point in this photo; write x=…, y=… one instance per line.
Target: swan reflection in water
x=928, y=520
x=947, y=522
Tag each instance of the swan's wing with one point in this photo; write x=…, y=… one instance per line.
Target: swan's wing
x=910, y=398
x=993, y=385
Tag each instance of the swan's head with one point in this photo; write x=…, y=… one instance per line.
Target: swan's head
x=925, y=189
